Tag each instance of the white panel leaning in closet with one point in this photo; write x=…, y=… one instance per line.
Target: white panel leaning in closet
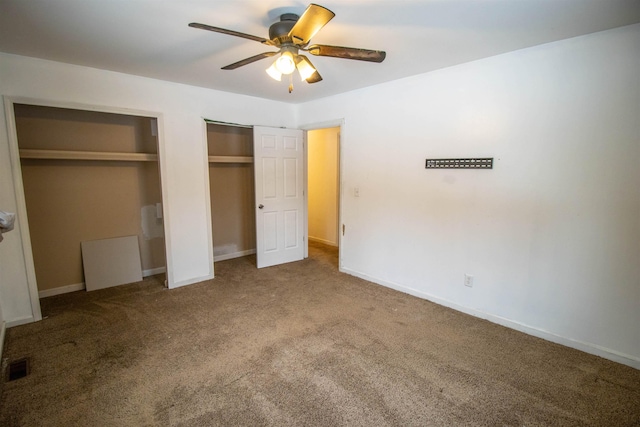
x=232, y=190
x=87, y=175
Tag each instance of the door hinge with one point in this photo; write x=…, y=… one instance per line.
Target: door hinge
x=343, y=228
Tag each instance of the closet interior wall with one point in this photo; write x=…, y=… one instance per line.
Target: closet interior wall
x=72, y=197
x=231, y=183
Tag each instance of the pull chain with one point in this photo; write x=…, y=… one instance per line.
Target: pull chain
x=290, y=82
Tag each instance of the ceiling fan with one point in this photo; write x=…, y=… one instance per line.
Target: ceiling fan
x=291, y=35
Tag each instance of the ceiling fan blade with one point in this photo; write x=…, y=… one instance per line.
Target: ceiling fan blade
x=230, y=32
x=249, y=60
x=347, y=52
x=310, y=22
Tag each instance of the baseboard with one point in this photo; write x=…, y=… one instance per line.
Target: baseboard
x=590, y=348
x=191, y=281
x=61, y=290
x=154, y=271
x=19, y=321
x=81, y=287
x=324, y=242
x=3, y=329
x=225, y=257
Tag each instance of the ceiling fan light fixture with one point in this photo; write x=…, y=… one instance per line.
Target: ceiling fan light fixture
x=274, y=73
x=285, y=63
x=290, y=35
x=304, y=67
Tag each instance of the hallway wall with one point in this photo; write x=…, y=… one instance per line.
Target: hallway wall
x=323, y=185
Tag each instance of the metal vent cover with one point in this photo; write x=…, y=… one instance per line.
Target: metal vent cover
x=18, y=369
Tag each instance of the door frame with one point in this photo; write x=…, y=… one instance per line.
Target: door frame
x=335, y=123
x=18, y=187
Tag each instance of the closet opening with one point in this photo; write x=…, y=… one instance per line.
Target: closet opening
x=88, y=176
x=232, y=188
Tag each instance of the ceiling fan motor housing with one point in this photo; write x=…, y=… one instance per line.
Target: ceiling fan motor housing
x=280, y=30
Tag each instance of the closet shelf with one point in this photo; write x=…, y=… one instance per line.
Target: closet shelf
x=230, y=159
x=87, y=155
x=117, y=156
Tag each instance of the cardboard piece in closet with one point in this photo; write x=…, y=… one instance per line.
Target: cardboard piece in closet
x=111, y=262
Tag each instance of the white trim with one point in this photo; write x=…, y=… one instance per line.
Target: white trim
x=162, y=165
x=239, y=254
x=19, y=321
x=204, y=143
x=305, y=191
x=3, y=329
x=154, y=271
x=62, y=290
x=323, y=241
x=339, y=123
x=21, y=207
x=237, y=125
x=326, y=124
x=607, y=353
x=82, y=107
x=81, y=286
x=191, y=281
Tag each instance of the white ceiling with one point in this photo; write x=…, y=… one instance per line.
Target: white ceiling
x=151, y=37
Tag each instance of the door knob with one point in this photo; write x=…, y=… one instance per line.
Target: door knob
x=260, y=206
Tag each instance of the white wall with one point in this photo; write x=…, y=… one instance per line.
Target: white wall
x=322, y=172
x=183, y=153
x=551, y=234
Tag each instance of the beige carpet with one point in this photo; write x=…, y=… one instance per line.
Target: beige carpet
x=299, y=344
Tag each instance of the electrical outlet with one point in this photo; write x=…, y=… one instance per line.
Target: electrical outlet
x=468, y=280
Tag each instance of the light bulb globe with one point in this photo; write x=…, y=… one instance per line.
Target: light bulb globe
x=274, y=73
x=285, y=63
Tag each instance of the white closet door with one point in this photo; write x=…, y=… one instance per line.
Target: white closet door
x=278, y=155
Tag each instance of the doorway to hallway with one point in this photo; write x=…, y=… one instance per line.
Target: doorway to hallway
x=323, y=186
